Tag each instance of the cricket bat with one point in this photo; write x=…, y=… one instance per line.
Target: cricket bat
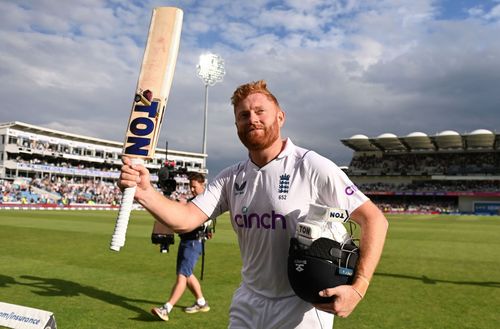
x=150, y=100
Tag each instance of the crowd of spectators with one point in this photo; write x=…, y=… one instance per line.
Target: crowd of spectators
x=467, y=172
x=66, y=191
x=68, y=166
x=59, y=190
x=413, y=205
x=466, y=163
x=434, y=186
x=50, y=170
x=41, y=146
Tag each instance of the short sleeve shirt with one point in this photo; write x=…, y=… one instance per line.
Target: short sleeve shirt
x=265, y=204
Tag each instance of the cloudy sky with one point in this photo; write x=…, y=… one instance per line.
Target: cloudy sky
x=338, y=67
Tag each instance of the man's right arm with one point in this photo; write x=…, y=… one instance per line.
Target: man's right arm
x=180, y=217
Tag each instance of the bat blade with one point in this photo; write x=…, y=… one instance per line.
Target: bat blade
x=150, y=100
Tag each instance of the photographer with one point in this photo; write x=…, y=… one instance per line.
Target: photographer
x=190, y=249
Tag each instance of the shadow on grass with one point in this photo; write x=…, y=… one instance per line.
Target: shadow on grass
x=5, y=281
x=427, y=280
x=56, y=287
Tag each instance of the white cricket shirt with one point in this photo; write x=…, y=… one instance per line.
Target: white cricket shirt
x=265, y=205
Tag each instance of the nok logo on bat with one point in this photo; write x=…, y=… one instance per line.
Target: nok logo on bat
x=141, y=129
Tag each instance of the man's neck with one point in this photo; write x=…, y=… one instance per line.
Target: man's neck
x=262, y=157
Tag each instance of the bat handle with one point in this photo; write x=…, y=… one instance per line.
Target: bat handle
x=118, y=238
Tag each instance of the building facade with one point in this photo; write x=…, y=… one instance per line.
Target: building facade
x=34, y=152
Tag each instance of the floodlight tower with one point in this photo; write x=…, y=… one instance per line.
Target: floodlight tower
x=210, y=69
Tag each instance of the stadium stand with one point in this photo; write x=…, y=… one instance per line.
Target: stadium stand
x=445, y=173
x=51, y=168
x=416, y=173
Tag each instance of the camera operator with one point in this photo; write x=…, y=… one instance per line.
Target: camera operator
x=190, y=249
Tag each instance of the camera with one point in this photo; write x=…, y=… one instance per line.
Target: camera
x=166, y=177
x=162, y=235
x=164, y=240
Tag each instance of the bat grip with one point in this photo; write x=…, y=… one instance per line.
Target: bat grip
x=118, y=238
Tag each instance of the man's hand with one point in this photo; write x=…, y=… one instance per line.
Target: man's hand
x=346, y=299
x=134, y=175
x=373, y=226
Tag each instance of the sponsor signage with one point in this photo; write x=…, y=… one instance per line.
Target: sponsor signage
x=22, y=317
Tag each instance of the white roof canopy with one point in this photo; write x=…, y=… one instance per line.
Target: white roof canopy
x=418, y=141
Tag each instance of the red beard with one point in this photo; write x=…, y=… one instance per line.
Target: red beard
x=258, y=137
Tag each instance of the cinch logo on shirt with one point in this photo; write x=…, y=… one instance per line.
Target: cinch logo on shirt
x=349, y=190
x=265, y=221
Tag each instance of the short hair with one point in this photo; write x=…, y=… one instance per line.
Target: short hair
x=254, y=87
x=196, y=176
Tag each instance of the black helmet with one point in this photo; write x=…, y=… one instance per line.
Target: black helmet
x=324, y=264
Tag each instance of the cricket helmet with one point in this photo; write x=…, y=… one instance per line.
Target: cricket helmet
x=324, y=264
x=322, y=254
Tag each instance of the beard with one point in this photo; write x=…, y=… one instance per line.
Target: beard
x=259, y=137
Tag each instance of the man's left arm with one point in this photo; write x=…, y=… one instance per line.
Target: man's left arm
x=373, y=225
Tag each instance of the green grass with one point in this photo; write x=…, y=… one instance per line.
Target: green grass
x=436, y=272
x=60, y=261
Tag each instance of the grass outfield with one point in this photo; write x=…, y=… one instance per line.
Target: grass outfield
x=436, y=272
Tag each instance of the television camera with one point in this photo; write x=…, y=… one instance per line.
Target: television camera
x=163, y=235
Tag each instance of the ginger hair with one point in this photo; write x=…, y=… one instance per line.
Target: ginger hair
x=254, y=87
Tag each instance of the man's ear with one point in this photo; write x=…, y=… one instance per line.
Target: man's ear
x=281, y=117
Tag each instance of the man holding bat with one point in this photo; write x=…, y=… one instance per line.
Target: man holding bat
x=267, y=195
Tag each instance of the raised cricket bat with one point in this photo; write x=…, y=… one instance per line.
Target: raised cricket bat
x=150, y=100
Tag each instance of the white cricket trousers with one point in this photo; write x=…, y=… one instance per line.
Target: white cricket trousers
x=253, y=311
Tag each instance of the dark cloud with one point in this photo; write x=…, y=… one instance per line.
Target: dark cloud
x=338, y=70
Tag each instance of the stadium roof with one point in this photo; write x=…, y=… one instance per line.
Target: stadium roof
x=29, y=128
x=480, y=139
